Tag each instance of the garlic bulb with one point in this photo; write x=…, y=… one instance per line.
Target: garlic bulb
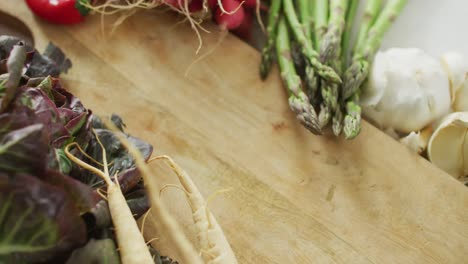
x=456, y=67
x=448, y=145
x=407, y=90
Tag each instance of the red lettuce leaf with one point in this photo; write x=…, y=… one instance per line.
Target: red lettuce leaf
x=38, y=221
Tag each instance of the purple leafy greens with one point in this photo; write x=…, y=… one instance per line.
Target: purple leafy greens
x=49, y=207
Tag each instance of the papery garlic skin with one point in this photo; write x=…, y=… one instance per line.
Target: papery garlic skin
x=407, y=90
x=417, y=141
x=448, y=145
x=456, y=68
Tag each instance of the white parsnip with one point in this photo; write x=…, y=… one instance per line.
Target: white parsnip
x=166, y=221
x=215, y=248
x=132, y=245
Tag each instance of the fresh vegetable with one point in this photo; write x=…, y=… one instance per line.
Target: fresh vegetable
x=229, y=14
x=330, y=52
x=215, y=248
x=324, y=58
x=165, y=220
x=59, y=11
x=298, y=100
x=311, y=55
x=38, y=119
x=132, y=245
x=448, y=146
x=416, y=141
x=357, y=73
x=407, y=90
x=321, y=21
x=268, y=49
x=456, y=68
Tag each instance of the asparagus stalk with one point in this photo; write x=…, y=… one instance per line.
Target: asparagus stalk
x=305, y=17
x=337, y=122
x=357, y=73
x=330, y=52
x=298, y=101
x=311, y=55
x=312, y=6
x=268, y=49
x=298, y=58
x=321, y=21
x=352, y=121
x=381, y=25
x=370, y=14
x=346, y=39
x=329, y=49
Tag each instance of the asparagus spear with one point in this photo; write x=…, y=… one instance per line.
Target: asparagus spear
x=352, y=121
x=346, y=39
x=370, y=15
x=311, y=55
x=337, y=122
x=320, y=27
x=305, y=17
x=312, y=6
x=268, y=49
x=357, y=73
x=330, y=52
x=321, y=21
x=298, y=101
x=329, y=49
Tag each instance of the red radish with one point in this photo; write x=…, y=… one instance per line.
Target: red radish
x=232, y=20
x=212, y=4
x=59, y=11
x=244, y=31
x=250, y=3
x=195, y=6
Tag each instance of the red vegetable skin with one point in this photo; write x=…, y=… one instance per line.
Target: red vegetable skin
x=195, y=6
x=212, y=4
x=59, y=11
x=230, y=21
x=250, y=3
x=244, y=31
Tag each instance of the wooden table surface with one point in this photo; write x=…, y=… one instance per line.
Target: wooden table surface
x=295, y=197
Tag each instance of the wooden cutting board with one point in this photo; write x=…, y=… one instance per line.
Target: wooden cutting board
x=295, y=197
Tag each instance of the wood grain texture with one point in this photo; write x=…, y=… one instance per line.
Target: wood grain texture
x=295, y=198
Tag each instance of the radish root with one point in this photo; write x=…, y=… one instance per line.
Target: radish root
x=221, y=7
x=221, y=38
x=132, y=6
x=259, y=18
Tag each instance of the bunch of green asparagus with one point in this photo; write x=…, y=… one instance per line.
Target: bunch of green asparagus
x=322, y=69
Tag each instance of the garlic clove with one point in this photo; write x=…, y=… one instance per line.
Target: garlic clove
x=456, y=67
x=448, y=145
x=417, y=141
x=461, y=97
